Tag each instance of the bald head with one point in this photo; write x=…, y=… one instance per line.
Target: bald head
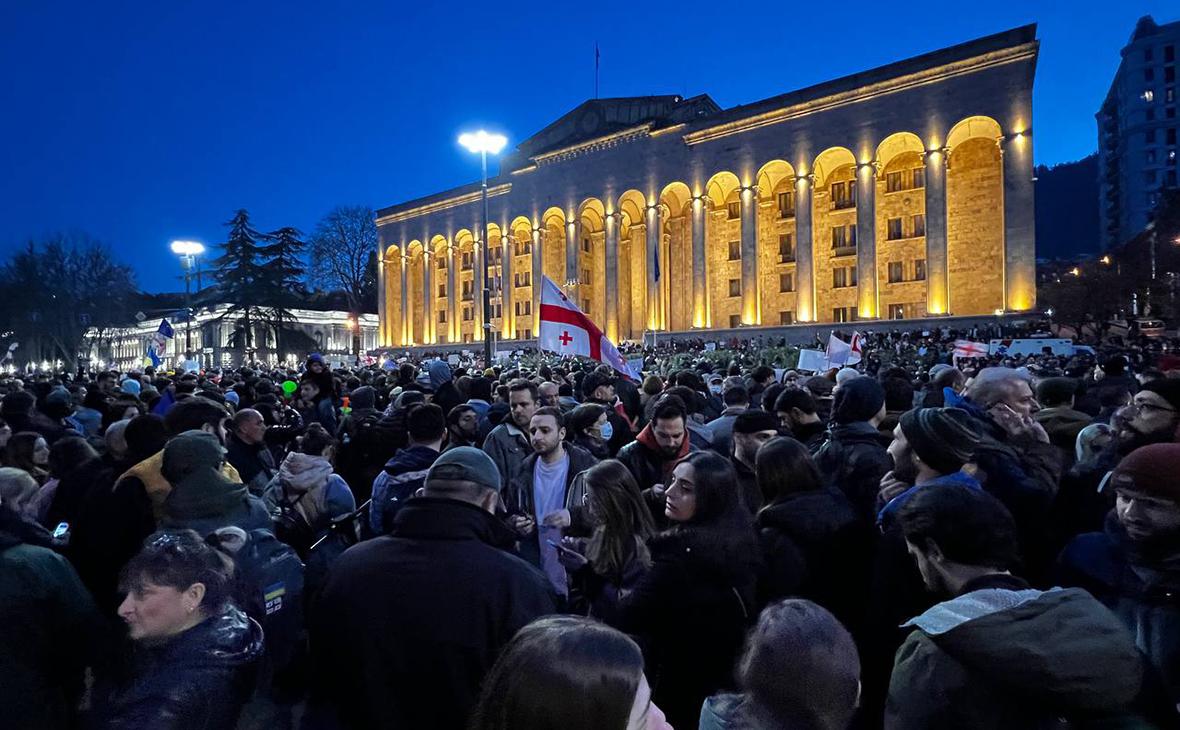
x=248, y=426
x=548, y=392
x=995, y=386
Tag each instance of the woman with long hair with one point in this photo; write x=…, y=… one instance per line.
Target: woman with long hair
x=611, y=561
x=692, y=607
x=812, y=543
x=28, y=450
x=567, y=673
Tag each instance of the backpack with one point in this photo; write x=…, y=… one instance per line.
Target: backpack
x=364, y=450
x=268, y=577
x=289, y=523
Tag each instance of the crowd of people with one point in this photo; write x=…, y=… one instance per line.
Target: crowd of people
x=544, y=544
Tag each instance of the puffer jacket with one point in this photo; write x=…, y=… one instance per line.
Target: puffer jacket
x=1002, y=655
x=197, y=680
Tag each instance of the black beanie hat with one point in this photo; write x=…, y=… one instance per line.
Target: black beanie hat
x=1166, y=388
x=858, y=399
x=944, y=438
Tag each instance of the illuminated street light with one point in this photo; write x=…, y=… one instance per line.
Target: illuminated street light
x=189, y=253
x=1075, y=271
x=1106, y=258
x=187, y=248
x=485, y=143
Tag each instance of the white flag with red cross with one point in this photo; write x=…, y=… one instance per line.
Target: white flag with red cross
x=566, y=330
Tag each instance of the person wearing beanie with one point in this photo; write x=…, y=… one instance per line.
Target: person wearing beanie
x=202, y=497
x=1152, y=417
x=751, y=429
x=428, y=610
x=1133, y=564
x=853, y=459
x=1058, y=416
x=130, y=386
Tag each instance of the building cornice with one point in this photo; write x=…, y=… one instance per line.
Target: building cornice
x=444, y=204
x=592, y=145
x=1022, y=52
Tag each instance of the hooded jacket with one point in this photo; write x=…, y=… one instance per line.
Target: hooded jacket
x=646, y=461
x=325, y=495
x=853, y=460
x=202, y=498
x=445, y=393
x=409, y=623
x=50, y=629
x=199, y=679
x=405, y=473
x=1002, y=655
x=1143, y=590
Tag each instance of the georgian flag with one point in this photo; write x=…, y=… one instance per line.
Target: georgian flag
x=841, y=353
x=967, y=348
x=566, y=330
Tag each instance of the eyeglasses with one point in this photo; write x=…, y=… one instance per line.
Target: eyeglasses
x=1145, y=406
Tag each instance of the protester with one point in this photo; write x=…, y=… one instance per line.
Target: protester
x=658, y=447
x=29, y=452
x=609, y=563
x=406, y=472
x=202, y=498
x=1133, y=565
x=462, y=427
x=74, y=466
x=592, y=679
x=751, y=429
x=799, y=670
x=195, y=652
x=599, y=387
x=408, y=624
x=1058, y=417
x=538, y=498
x=588, y=427
x=853, y=458
x=317, y=403
x=306, y=484
x=813, y=545
x=736, y=400
x=692, y=608
x=797, y=413
x=246, y=451
x=508, y=443
x=997, y=653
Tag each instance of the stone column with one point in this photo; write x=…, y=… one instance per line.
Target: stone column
x=612, y=276
x=700, y=287
x=573, y=246
x=938, y=299
x=538, y=273
x=383, y=313
x=750, y=304
x=507, y=287
x=804, y=251
x=406, y=327
x=477, y=283
x=452, y=295
x=428, y=324
x=652, y=234
x=1020, y=290
x=866, y=240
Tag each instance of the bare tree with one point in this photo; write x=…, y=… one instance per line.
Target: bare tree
x=343, y=252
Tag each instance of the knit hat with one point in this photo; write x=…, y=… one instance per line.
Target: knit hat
x=130, y=385
x=467, y=464
x=858, y=399
x=363, y=397
x=1166, y=388
x=753, y=421
x=20, y=401
x=944, y=438
x=1151, y=470
x=843, y=375
x=1056, y=390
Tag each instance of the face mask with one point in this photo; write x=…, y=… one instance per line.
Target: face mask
x=607, y=431
x=715, y=389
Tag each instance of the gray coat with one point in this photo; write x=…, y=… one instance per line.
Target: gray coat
x=509, y=447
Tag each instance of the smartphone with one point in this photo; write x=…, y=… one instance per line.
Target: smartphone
x=62, y=529
x=558, y=547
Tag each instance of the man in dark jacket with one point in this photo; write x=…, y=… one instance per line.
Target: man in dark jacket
x=999, y=654
x=202, y=498
x=657, y=448
x=245, y=449
x=446, y=395
x=751, y=429
x=1134, y=565
x=737, y=400
x=538, y=497
x=853, y=459
x=408, y=624
x=405, y=473
x=797, y=412
x=50, y=633
x=1058, y=417
x=1017, y=464
x=508, y=444
x=599, y=387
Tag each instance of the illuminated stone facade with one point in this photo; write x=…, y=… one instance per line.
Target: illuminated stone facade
x=900, y=192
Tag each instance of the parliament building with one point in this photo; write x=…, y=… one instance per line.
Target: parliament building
x=901, y=192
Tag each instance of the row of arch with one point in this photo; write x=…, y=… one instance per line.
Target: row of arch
x=755, y=249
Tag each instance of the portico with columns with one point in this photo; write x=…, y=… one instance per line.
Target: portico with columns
x=903, y=192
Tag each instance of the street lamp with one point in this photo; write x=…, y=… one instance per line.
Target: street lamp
x=188, y=251
x=485, y=143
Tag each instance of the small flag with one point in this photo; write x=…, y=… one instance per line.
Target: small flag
x=566, y=330
x=967, y=348
x=839, y=352
x=657, y=261
x=854, y=355
x=159, y=342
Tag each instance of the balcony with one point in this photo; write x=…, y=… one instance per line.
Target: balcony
x=844, y=250
x=786, y=258
x=844, y=204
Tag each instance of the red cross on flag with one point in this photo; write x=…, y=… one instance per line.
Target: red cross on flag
x=566, y=330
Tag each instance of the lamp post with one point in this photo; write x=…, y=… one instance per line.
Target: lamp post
x=485, y=143
x=188, y=251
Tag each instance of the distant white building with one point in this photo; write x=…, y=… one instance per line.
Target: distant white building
x=332, y=332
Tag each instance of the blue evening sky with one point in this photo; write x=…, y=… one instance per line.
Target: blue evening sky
x=141, y=122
